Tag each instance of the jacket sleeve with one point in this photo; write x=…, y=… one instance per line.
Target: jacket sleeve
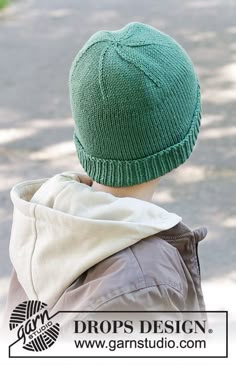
x=152, y=298
x=159, y=298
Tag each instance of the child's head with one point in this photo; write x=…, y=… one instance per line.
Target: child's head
x=135, y=99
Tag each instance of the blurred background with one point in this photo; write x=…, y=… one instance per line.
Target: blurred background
x=38, y=41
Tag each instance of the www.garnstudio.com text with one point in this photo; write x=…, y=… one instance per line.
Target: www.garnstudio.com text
x=162, y=343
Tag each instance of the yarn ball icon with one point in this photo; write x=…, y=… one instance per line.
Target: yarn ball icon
x=34, y=325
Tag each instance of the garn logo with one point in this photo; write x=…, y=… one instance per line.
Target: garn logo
x=35, y=327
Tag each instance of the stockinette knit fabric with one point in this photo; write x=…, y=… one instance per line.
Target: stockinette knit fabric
x=136, y=103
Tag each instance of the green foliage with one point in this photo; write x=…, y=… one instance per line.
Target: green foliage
x=3, y=3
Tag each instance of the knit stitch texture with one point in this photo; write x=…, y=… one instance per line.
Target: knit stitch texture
x=135, y=98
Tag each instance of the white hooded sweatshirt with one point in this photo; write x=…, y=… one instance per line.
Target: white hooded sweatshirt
x=62, y=227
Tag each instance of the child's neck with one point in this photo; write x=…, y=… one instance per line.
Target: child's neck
x=143, y=191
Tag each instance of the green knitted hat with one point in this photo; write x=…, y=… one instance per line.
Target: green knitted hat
x=135, y=99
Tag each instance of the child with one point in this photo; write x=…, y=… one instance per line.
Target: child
x=96, y=241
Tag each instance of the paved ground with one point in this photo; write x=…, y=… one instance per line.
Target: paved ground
x=39, y=39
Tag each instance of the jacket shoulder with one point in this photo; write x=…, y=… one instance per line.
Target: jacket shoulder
x=145, y=276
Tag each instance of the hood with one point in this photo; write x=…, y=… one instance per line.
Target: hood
x=62, y=227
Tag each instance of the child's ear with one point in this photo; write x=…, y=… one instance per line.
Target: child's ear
x=84, y=179
x=79, y=176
